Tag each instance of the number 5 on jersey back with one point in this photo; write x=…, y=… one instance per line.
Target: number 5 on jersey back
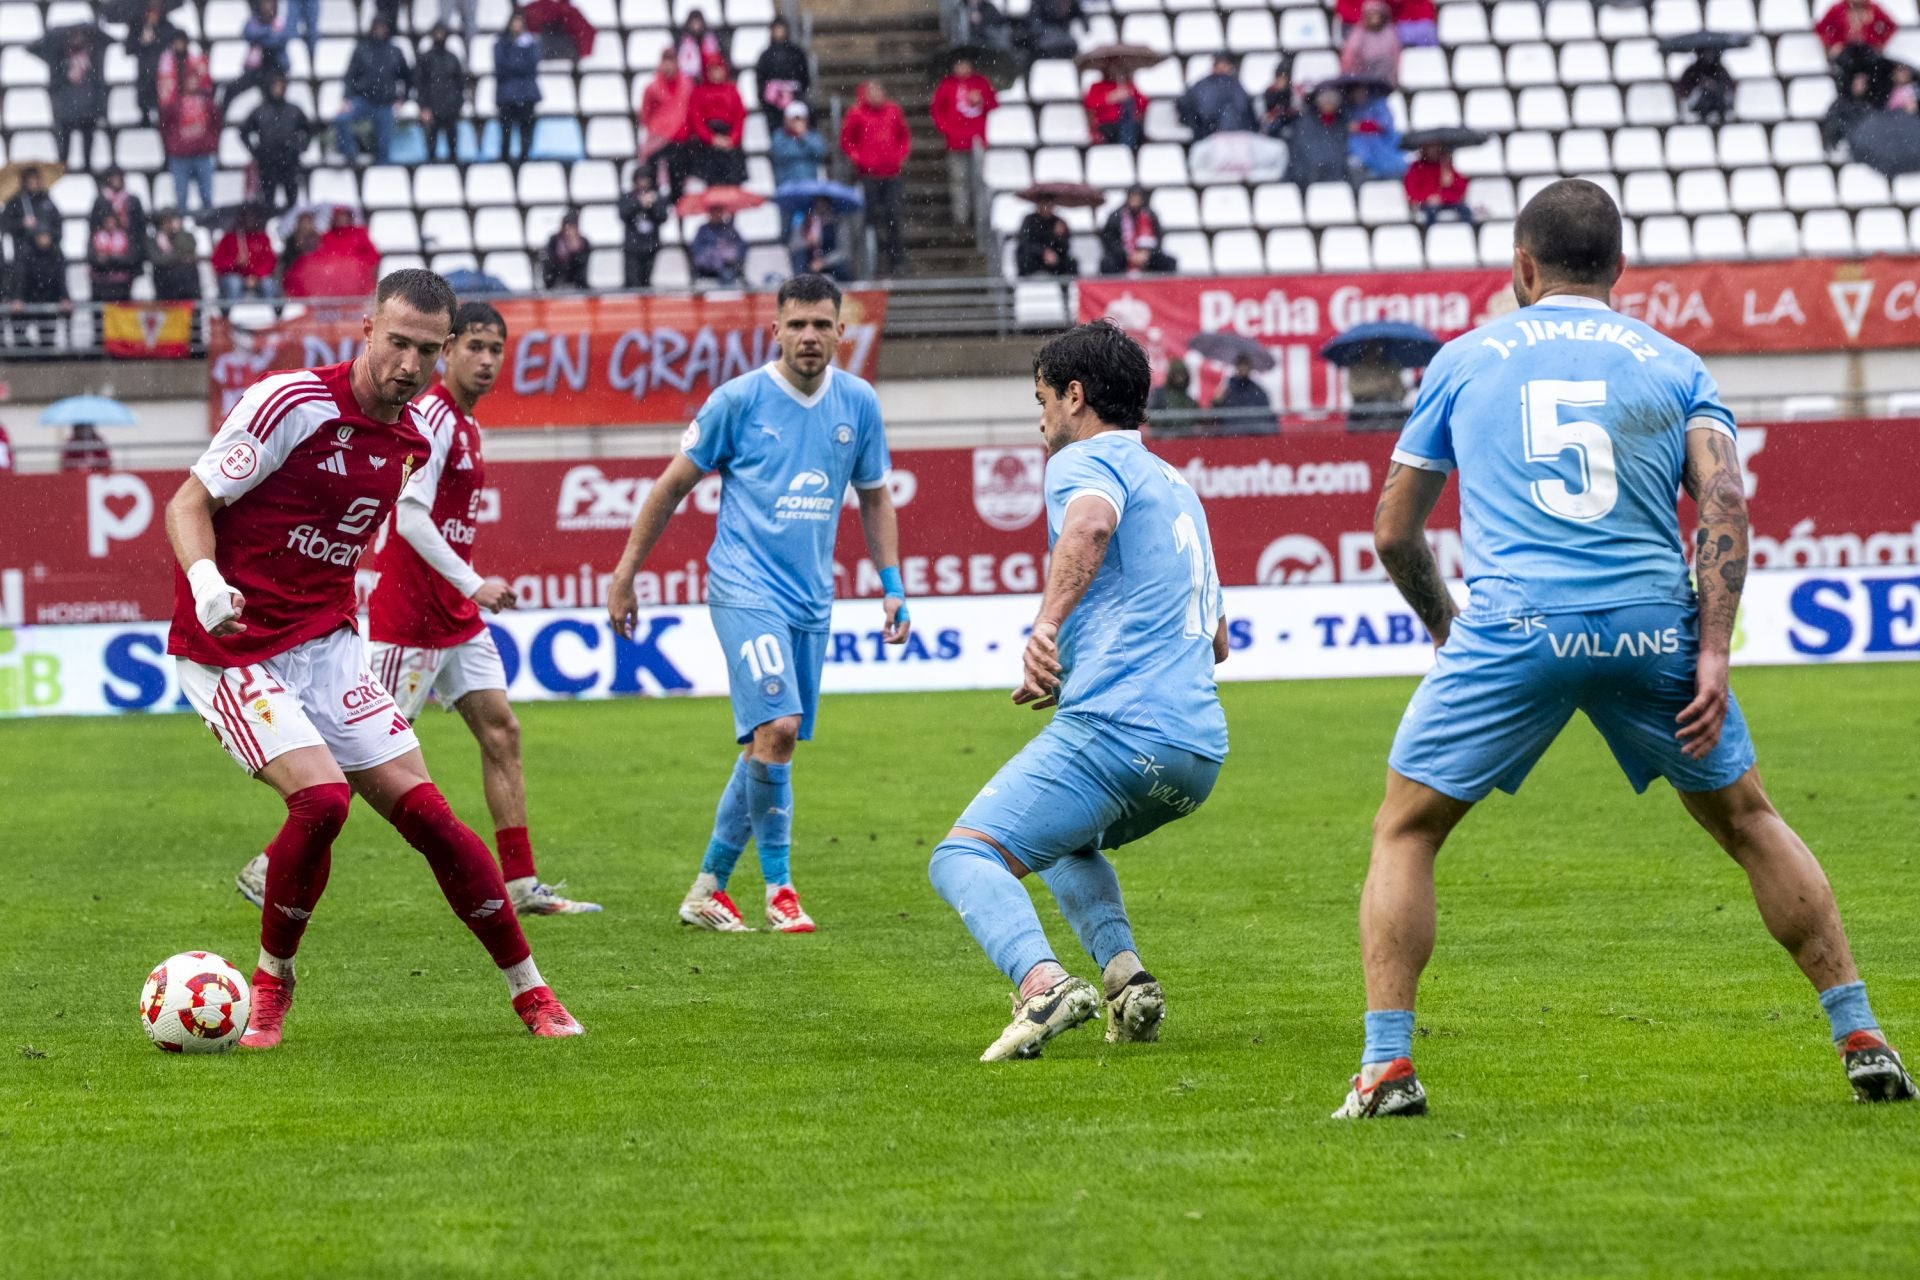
x=1548, y=436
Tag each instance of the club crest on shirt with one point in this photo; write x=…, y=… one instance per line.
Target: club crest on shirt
x=771, y=688
x=1008, y=487
x=843, y=434
x=406, y=468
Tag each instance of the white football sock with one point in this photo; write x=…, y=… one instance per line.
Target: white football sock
x=523, y=977
x=1119, y=972
x=281, y=968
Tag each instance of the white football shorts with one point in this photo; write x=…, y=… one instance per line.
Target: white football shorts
x=448, y=674
x=318, y=694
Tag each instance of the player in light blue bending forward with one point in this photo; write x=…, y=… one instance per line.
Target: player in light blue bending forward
x=788, y=438
x=1572, y=428
x=1125, y=643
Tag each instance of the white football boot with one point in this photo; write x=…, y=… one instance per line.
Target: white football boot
x=1061, y=1007
x=252, y=881
x=531, y=898
x=1395, y=1091
x=1134, y=1016
x=707, y=906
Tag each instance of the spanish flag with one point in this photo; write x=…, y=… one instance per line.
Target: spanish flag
x=147, y=330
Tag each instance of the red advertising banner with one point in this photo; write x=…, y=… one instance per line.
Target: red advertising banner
x=1742, y=308
x=571, y=361
x=1285, y=509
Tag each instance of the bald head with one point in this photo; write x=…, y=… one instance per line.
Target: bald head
x=1571, y=232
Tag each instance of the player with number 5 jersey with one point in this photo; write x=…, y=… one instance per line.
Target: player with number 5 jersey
x=1571, y=428
x=1129, y=630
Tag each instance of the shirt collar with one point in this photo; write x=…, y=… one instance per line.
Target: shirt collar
x=1574, y=300
x=805, y=402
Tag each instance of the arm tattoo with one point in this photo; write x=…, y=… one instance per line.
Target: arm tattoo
x=1076, y=560
x=1413, y=569
x=1719, y=540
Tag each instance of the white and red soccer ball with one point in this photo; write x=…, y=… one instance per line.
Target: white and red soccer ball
x=195, y=1002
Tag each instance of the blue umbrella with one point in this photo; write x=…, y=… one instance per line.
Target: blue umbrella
x=466, y=281
x=796, y=198
x=95, y=410
x=1407, y=345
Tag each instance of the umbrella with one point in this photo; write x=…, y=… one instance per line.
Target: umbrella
x=563, y=19
x=1449, y=138
x=50, y=173
x=1407, y=345
x=96, y=411
x=51, y=47
x=322, y=211
x=1704, y=42
x=1111, y=59
x=721, y=199
x=1888, y=141
x=1373, y=84
x=466, y=281
x=128, y=12
x=1002, y=66
x=1072, y=195
x=1226, y=348
x=795, y=198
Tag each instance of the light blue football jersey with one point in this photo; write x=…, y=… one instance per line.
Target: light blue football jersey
x=785, y=461
x=1138, y=650
x=1567, y=422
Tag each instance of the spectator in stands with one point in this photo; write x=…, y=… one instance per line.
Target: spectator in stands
x=148, y=38
x=642, y=211
x=1217, y=103
x=718, y=252
x=1044, y=246
x=797, y=151
x=1435, y=189
x=378, y=79
x=815, y=243
x=1050, y=28
x=301, y=241
x=1171, y=408
x=175, y=258
x=1245, y=407
x=189, y=122
x=31, y=210
x=664, y=126
x=718, y=119
x=84, y=450
x=243, y=259
x=1130, y=241
x=1347, y=15
x=1415, y=20
x=1705, y=88
x=516, y=89
x=39, y=292
x=1373, y=140
x=79, y=92
x=1903, y=96
x=304, y=16
x=443, y=93
x=987, y=25
x=113, y=259
x=960, y=105
x=876, y=138
x=267, y=34
x=1854, y=32
x=468, y=11
x=113, y=197
x=782, y=73
x=1317, y=141
x=276, y=134
x=1373, y=47
x=1378, y=389
x=694, y=46
x=1115, y=110
x=344, y=263
x=1279, y=108
x=1849, y=107
x=563, y=263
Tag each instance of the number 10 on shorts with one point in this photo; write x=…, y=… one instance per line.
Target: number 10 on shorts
x=763, y=656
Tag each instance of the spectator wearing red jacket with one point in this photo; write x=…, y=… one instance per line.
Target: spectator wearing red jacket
x=1854, y=33
x=664, y=127
x=715, y=117
x=1435, y=189
x=1115, y=110
x=876, y=138
x=960, y=106
x=1416, y=22
x=244, y=261
x=189, y=121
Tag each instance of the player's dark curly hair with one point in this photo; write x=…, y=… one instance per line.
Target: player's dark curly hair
x=481, y=314
x=1109, y=366
x=807, y=288
x=1572, y=229
x=420, y=289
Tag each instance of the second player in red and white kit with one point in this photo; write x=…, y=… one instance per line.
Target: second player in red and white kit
x=268, y=529
x=424, y=616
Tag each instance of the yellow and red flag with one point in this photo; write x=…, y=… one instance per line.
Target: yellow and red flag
x=147, y=330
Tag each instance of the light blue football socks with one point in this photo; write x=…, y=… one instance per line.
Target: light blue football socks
x=970, y=875
x=770, y=800
x=731, y=827
x=1847, y=1010
x=1389, y=1035
x=1088, y=891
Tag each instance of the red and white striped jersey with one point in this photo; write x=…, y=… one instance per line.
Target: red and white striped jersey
x=412, y=604
x=307, y=479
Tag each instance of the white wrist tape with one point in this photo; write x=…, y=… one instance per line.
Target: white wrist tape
x=212, y=597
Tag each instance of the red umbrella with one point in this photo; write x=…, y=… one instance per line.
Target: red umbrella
x=560, y=17
x=1110, y=59
x=720, y=199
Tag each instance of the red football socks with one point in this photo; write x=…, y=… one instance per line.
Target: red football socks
x=298, y=860
x=516, y=853
x=467, y=873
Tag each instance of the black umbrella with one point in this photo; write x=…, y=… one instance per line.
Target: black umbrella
x=1450, y=138
x=1225, y=348
x=1704, y=42
x=999, y=65
x=1373, y=84
x=1407, y=345
x=128, y=12
x=1888, y=141
x=52, y=47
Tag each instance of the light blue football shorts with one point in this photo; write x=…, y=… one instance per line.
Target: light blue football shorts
x=1086, y=783
x=1501, y=692
x=773, y=668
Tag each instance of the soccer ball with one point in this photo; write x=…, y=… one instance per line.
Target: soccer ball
x=195, y=1002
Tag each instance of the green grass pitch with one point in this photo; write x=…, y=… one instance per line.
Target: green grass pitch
x=1628, y=1077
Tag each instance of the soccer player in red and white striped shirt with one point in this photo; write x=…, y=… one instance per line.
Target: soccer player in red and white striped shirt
x=268, y=530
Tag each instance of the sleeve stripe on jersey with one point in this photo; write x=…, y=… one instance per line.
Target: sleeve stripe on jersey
x=281, y=403
x=1701, y=422
x=298, y=384
x=1101, y=494
x=1406, y=459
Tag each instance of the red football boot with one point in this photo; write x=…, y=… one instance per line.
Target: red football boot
x=544, y=1015
x=271, y=1000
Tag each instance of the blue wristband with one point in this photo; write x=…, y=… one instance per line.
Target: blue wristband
x=890, y=582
